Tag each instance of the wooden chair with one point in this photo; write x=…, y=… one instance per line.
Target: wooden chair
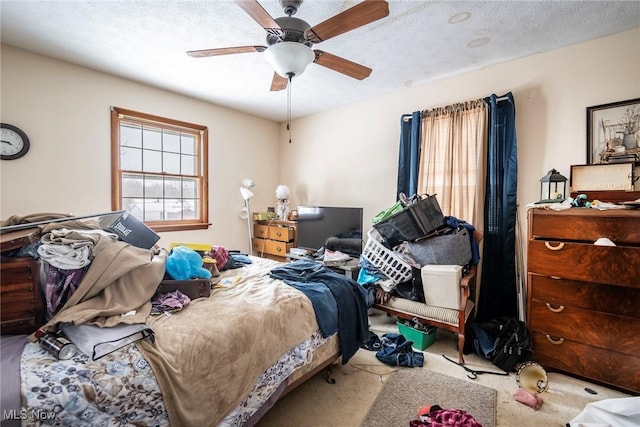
x=450, y=319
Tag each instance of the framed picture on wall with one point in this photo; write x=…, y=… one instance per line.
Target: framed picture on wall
x=613, y=130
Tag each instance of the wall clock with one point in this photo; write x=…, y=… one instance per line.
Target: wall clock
x=15, y=143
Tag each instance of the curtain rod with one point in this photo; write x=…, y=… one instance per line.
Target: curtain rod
x=407, y=117
x=457, y=105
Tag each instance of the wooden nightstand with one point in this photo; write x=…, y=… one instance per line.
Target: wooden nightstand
x=274, y=239
x=21, y=303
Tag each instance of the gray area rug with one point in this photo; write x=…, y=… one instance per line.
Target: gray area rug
x=410, y=388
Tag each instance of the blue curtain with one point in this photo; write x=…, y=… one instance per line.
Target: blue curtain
x=409, y=156
x=498, y=291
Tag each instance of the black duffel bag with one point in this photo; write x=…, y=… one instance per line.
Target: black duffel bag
x=451, y=246
x=511, y=338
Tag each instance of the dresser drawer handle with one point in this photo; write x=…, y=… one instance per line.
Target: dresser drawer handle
x=279, y=234
x=555, y=310
x=555, y=277
x=554, y=248
x=554, y=341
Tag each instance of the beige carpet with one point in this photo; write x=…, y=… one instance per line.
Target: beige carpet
x=409, y=389
x=358, y=383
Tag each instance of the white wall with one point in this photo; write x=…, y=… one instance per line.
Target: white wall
x=349, y=156
x=65, y=111
x=346, y=156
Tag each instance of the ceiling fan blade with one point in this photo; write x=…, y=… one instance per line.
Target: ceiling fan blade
x=278, y=82
x=342, y=65
x=257, y=12
x=225, y=51
x=361, y=14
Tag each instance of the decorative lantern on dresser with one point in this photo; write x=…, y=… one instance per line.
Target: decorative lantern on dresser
x=550, y=189
x=583, y=297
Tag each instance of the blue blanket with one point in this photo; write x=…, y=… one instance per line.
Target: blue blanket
x=336, y=299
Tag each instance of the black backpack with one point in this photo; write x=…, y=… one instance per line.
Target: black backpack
x=511, y=338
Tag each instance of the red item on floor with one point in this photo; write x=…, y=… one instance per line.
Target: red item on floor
x=434, y=416
x=531, y=400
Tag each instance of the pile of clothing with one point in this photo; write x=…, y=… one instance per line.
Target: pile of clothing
x=394, y=350
x=436, y=416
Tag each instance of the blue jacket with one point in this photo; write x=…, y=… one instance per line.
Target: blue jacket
x=350, y=299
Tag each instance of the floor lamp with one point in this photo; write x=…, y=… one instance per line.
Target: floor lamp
x=245, y=212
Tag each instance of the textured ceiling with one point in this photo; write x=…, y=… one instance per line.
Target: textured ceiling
x=419, y=41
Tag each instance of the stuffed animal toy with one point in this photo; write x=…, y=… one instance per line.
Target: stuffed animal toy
x=184, y=263
x=581, y=201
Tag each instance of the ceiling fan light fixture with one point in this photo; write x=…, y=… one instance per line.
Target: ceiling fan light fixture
x=289, y=58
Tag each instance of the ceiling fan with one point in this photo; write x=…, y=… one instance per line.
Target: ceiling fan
x=290, y=39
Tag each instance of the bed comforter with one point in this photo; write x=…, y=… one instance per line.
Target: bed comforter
x=207, y=357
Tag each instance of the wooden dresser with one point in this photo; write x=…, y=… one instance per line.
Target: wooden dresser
x=584, y=299
x=273, y=238
x=21, y=303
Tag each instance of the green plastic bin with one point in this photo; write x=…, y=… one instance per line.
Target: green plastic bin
x=421, y=339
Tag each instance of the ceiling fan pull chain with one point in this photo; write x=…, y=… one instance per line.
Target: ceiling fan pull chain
x=290, y=75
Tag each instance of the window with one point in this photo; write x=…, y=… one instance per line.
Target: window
x=159, y=170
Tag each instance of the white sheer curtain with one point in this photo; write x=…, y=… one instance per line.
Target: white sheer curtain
x=452, y=159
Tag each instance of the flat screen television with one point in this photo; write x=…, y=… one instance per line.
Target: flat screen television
x=316, y=224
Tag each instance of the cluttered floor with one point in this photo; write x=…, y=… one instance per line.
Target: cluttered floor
x=358, y=383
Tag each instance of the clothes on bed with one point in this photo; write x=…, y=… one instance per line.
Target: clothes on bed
x=59, y=286
x=322, y=299
x=169, y=302
x=65, y=256
x=350, y=297
x=120, y=279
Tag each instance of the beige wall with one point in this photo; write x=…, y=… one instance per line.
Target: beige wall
x=349, y=156
x=346, y=156
x=64, y=109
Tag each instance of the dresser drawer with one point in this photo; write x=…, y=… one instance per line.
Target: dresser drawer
x=17, y=271
x=17, y=305
x=597, y=329
x=617, y=369
x=21, y=304
x=18, y=326
x=585, y=225
x=604, y=298
x=281, y=234
x=271, y=247
x=586, y=262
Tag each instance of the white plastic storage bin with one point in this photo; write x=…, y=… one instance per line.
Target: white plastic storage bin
x=441, y=284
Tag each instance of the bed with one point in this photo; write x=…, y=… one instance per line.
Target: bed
x=221, y=360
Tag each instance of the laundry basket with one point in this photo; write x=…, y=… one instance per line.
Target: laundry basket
x=386, y=260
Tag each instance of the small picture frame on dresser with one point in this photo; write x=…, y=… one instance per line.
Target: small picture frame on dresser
x=613, y=130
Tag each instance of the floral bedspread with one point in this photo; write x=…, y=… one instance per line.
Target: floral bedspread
x=116, y=390
x=271, y=379
x=120, y=389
